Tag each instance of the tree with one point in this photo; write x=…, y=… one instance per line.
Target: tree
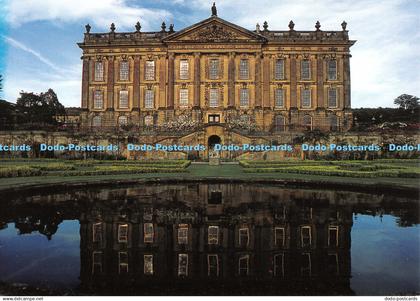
x=407, y=102
x=39, y=108
x=1, y=82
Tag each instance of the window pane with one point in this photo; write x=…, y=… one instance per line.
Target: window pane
x=213, y=235
x=97, y=121
x=183, y=234
x=279, y=70
x=97, y=232
x=279, y=98
x=123, y=233
x=214, y=69
x=243, y=69
x=279, y=236
x=213, y=265
x=279, y=265
x=98, y=99
x=183, y=69
x=305, y=69
x=333, y=236
x=99, y=71
x=124, y=70
x=183, y=97
x=334, y=124
x=150, y=70
x=279, y=123
x=149, y=99
x=214, y=98
x=123, y=262
x=96, y=262
x=243, y=237
x=245, y=118
x=122, y=120
x=148, y=232
x=123, y=99
x=183, y=265
x=307, y=122
x=244, y=265
x=332, y=97
x=332, y=70
x=305, y=233
x=306, y=98
x=148, y=264
x=148, y=120
x=244, y=98
x=305, y=261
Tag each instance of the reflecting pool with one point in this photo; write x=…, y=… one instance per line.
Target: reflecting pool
x=210, y=239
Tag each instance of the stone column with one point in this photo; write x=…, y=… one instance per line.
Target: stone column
x=197, y=80
x=346, y=80
x=110, y=83
x=258, y=81
x=293, y=82
x=231, y=80
x=266, y=81
x=136, y=83
x=85, y=83
x=320, y=81
x=171, y=74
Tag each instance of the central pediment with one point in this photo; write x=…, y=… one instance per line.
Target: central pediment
x=214, y=30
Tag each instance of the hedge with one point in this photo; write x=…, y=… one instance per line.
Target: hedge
x=19, y=171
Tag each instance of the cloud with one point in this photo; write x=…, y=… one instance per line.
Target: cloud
x=386, y=57
x=99, y=12
x=12, y=42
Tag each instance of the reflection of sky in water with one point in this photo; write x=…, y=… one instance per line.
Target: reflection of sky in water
x=31, y=258
x=384, y=257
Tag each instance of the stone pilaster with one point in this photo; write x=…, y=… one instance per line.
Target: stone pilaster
x=266, y=82
x=258, y=81
x=136, y=83
x=162, y=82
x=85, y=83
x=171, y=74
x=110, y=84
x=197, y=81
x=346, y=80
x=293, y=82
x=231, y=80
x=320, y=82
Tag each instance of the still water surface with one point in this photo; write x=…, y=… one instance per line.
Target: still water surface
x=211, y=239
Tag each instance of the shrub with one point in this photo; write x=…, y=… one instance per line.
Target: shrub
x=19, y=171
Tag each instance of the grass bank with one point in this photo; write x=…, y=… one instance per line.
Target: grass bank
x=125, y=173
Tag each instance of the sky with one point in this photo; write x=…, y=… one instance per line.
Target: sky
x=38, y=38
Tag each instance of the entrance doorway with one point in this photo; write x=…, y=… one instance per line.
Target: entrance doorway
x=213, y=140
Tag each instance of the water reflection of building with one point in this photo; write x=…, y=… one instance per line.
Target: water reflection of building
x=208, y=239
x=223, y=233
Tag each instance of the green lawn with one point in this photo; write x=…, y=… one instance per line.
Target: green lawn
x=198, y=172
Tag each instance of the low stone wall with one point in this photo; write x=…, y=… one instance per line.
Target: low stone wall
x=35, y=138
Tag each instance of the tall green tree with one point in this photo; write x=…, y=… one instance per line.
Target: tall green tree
x=407, y=102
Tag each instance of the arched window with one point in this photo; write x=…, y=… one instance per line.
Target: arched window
x=148, y=120
x=97, y=121
x=307, y=122
x=334, y=123
x=279, y=123
x=122, y=120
